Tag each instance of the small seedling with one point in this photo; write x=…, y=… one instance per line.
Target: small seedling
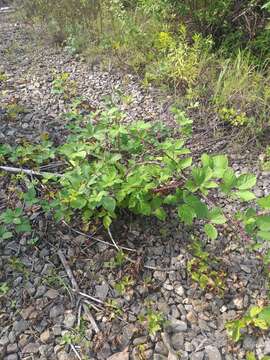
x=201, y=272
x=4, y=289
x=257, y=317
x=124, y=284
x=117, y=261
x=153, y=321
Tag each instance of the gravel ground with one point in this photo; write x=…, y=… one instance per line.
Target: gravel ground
x=41, y=317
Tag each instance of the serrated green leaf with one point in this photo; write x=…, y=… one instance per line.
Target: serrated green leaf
x=245, y=195
x=265, y=235
x=264, y=202
x=216, y=216
x=265, y=315
x=229, y=180
x=210, y=231
x=199, y=207
x=263, y=222
x=186, y=214
x=160, y=214
x=220, y=164
x=261, y=324
x=246, y=181
x=7, y=235
x=108, y=203
x=254, y=311
x=78, y=203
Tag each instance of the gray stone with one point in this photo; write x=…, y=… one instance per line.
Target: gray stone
x=12, y=348
x=57, y=330
x=140, y=340
x=249, y=343
x=188, y=346
x=56, y=311
x=4, y=340
x=177, y=341
x=180, y=290
x=160, y=357
x=104, y=352
x=160, y=348
x=11, y=357
x=69, y=320
x=62, y=355
x=40, y=291
x=160, y=275
x=102, y=291
x=197, y=356
x=176, y=326
x=267, y=347
x=20, y=326
x=52, y=294
x=212, y=353
x=31, y=348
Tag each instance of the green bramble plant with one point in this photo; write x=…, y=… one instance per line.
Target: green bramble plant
x=141, y=167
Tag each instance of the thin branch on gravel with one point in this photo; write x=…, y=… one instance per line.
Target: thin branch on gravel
x=15, y=170
x=75, y=351
x=111, y=237
x=97, y=239
x=68, y=270
x=91, y=319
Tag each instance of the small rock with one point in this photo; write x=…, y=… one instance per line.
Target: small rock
x=62, y=355
x=56, y=311
x=160, y=348
x=148, y=354
x=188, y=346
x=159, y=275
x=12, y=357
x=267, y=347
x=69, y=320
x=4, y=340
x=12, y=348
x=20, y=326
x=160, y=357
x=40, y=291
x=57, y=330
x=52, y=294
x=245, y=268
x=31, y=348
x=197, y=356
x=213, y=353
x=140, y=340
x=191, y=317
x=176, y=326
x=180, y=290
x=102, y=291
x=249, y=343
x=238, y=302
x=177, y=341
x=25, y=313
x=46, y=336
x=123, y=355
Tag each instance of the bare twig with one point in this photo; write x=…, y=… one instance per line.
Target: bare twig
x=111, y=237
x=75, y=351
x=68, y=270
x=91, y=319
x=97, y=239
x=15, y=170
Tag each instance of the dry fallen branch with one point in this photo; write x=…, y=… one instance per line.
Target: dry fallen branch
x=68, y=270
x=29, y=172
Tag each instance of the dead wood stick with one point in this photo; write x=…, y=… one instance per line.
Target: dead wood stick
x=15, y=170
x=91, y=319
x=68, y=270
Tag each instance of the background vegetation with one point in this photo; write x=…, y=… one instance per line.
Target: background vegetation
x=216, y=50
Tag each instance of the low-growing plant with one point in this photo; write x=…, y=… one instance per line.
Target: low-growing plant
x=122, y=286
x=257, y=317
x=199, y=268
x=117, y=261
x=13, y=222
x=113, y=165
x=152, y=320
x=4, y=289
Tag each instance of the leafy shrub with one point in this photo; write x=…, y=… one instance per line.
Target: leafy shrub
x=113, y=165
